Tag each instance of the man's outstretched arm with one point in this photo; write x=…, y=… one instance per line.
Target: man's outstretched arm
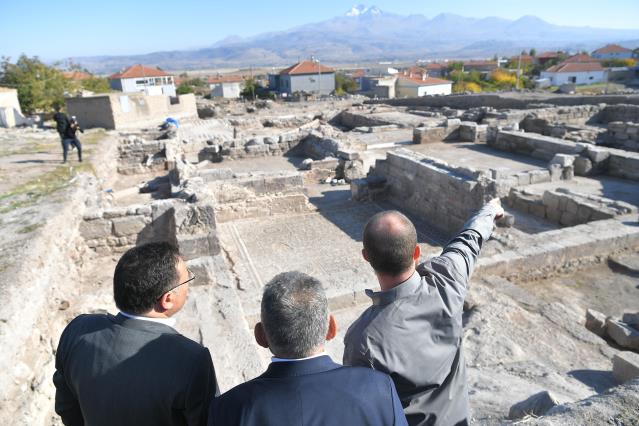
x=453, y=268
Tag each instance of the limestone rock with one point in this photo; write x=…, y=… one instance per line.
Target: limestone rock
x=583, y=166
x=623, y=334
x=625, y=366
x=564, y=160
x=596, y=322
x=307, y=164
x=536, y=405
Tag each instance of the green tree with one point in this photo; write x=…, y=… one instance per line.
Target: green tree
x=40, y=87
x=344, y=84
x=250, y=88
x=533, y=52
x=184, y=88
x=96, y=84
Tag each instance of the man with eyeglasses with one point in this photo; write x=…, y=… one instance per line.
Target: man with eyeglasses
x=134, y=368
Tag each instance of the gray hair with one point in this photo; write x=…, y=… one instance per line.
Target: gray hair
x=294, y=314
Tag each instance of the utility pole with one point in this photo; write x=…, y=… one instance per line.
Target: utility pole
x=319, y=79
x=518, y=72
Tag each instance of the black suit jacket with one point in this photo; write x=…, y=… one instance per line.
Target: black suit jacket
x=114, y=370
x=311, y=392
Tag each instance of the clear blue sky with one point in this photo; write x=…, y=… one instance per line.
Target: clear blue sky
x=59, y=29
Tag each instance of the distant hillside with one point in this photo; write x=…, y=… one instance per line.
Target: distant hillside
x=367, y=34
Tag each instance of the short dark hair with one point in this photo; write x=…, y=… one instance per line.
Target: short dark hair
x=143, y=274
x=389, y=242
x=294, y=314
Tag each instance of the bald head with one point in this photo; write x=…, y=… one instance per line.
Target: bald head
x=389, y=242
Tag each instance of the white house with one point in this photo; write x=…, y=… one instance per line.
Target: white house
x=228, y=86
x=304, y=77
x=139, y=78
x=575, y=73
x=612, y=51
x=417, y=85
x=10, y=112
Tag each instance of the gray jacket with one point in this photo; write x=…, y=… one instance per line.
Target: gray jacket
x=414, y=331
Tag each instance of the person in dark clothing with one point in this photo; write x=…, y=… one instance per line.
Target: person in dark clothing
x=70, y=139
x=61, y=121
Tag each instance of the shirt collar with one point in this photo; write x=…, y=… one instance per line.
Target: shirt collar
x=276, y=359
x=166, y=321
x=401, y=290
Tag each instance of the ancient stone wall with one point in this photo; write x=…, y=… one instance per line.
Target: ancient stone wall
x=353, y=120
x=538, y=146
x=504, y=102
x=136, y=155
x=432, y=189
x=623, y=135
x=567, y=208
x=623, y=112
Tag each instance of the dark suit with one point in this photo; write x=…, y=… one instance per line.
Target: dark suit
x=114, y=370
x=310, y=392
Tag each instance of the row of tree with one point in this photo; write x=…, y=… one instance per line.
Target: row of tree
x=42, y=87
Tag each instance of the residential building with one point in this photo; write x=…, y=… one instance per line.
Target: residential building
x=484, y=67
x=416, y=85
x=140, y=78
x=304, y=77
x=575, y=73
x=380, y=87
x=228, y=86
x=544, y=57
x=581, y=58
x=612, y=51
x=435, y=69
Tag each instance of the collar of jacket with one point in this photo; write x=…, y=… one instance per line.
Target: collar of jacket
x=316, y=365
x=405, y=289
x=141, y=325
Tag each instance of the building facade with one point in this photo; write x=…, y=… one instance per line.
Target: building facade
x=227, y=87
x=304, y=77
x=612, y=51
x=575, y=73
x=140, y=78
x=412, y=86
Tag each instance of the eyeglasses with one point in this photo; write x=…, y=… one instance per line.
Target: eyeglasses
x=191, y=278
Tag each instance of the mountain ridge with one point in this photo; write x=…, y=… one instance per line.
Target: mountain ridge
x=366, y=33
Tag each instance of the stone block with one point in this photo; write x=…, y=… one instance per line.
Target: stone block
x=596, y=322
x=203, y=268
x=597, y=155
x=95, y=229
x=568, y=173
x=555, y=172
x=551, y=200
x=194, y=246
x=564, y=160
x=625, y=366
x=536, y=405
x=538, y=210
x=623, y=334
x=130, y=225
x=539, y=176
x=114, y=212
x=568, y=219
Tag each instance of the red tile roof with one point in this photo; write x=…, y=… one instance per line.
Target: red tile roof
x=77, y=75
x=612, y=48
x=358, y=73
x=435, y=66
x=225, y=79
x=139, y=71
x=581, y=58
x=306, y=67
x=575, y=67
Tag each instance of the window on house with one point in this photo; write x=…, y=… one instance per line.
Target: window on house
x=590, y=78
x=140, y=82
x=572, y=79
x=158, y=81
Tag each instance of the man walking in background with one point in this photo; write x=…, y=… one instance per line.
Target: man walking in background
x=413, y=331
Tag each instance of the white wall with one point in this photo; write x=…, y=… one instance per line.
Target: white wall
x=10, y=112
x=142, y=84
x=225, y=90
x=411, y=91
x=613, y=55
x=588, y=77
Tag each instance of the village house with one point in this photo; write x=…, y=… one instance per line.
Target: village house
x=483, y=67
x=544, y=57
x=574, y=73
x=420, y=84
x=227, y=86
x=304, y=77
x=140, y=78
x=77, y=75
x=612, y=51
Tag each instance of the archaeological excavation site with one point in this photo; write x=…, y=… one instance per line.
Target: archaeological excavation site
x=249, y=190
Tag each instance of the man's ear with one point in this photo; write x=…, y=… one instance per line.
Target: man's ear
x=365, y=255
x=416, y=253
x=166, y=302
x=260, y=335
x=332, y=328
